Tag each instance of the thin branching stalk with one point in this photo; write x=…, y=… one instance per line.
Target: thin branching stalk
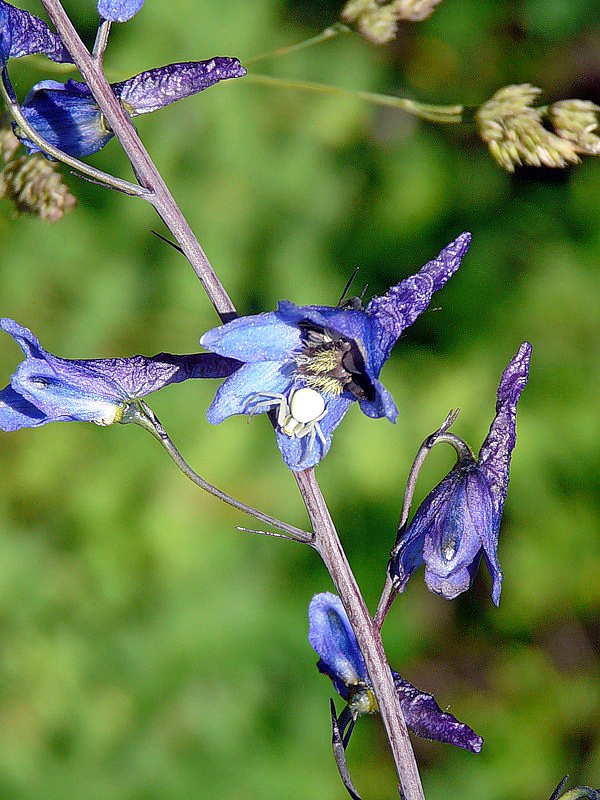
x=142, y=415
x=144, y=168
x=328, y=545
x=442, y=114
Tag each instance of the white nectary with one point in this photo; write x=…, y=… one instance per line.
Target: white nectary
x=306, y=405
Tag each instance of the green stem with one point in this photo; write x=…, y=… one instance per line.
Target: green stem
x=432, y=113
x=329, y=33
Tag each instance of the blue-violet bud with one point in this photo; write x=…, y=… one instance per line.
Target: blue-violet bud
x=459, y=520
x=332, y=637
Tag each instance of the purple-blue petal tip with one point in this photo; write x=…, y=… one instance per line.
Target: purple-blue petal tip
x=119, y=10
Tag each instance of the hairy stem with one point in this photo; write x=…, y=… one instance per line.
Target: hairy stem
x=328, y=545
x=143, y=166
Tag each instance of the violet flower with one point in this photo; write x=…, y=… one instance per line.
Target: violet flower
x=332, y=637
x=119, y=10
x=310, y=363
x=22, y=34
x=459, y=520
x=68, y=117
x=49, y=389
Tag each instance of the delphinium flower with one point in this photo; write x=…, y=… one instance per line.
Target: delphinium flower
x=333, y=639
x=68, y=117
x=119, y=10
x=459, y=520
x=45, y=388
x=23, y=34
x=310, y=363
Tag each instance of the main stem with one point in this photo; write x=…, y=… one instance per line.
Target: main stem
x=328, y=545
x=326, y=539
x=143, y=166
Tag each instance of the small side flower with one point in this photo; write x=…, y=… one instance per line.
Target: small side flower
x=458, y=522
x=68, y=117
x=46, y=388
x=332, y=637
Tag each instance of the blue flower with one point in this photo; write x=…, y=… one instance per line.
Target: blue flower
x=49, y=389
x=332, y=637
x=459, y=520
x=22, y=34
x=68, y=117
x=310, y=363
x=119, y=10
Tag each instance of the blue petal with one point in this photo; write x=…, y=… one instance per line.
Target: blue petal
x=332, y=637
x=119, y=10
x=67, y=117
x=496, y=451
x=16, y=412
x=425, y=718
x=382, y=405
x=5, y=36
x=401, y=306
x=262, y=337
x=238, y=394
x=22, y=34
x=297, y=452
x=162, y=86
x=60, y=400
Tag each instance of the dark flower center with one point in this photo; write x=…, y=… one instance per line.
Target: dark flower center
x=332, y=364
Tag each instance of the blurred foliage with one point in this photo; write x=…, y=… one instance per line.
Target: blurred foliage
x=151, y=652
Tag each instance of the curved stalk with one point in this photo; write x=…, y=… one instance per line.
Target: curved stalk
x=432, y=113
x=142, y=415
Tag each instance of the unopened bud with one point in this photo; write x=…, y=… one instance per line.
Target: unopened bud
x=377, y=20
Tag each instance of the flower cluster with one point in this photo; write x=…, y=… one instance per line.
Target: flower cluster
x=459, y=520
x=308, y=364
x=332, y=637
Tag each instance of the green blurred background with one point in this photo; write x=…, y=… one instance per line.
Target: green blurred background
x=151, y=652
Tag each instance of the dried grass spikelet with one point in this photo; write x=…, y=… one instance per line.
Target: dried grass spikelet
x=515, y=134
x=378, y=21
x=415, y=10
x=32, y=183
x=577, y=121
